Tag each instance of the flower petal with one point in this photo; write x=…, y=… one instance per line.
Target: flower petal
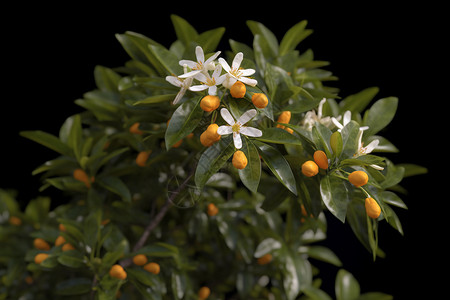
x=174, y=80
x=190, y=74
x=212, y=90
x=347, y=117
x=191, y=64
x=224, y=129
x=217, y=71
x=335, y=122
x=227, y=116
x=179, y=96
x=251, y=131
x=372, y=145
x=224, y=64
x=199, y=54
x=237, y=61
x=247, y=72
x=237, y=140
x=247, y=116
x=248, y=81
x=198, y=88
x=212, y=57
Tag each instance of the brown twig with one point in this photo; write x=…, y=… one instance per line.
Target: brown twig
x=156, y=220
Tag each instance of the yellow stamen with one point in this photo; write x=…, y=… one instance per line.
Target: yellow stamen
x=236, y=127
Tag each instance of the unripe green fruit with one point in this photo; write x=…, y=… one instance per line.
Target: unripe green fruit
x=335, y=139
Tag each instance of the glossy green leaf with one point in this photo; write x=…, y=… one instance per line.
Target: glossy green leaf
x=303, y=104
x=335, y=195
x=393, y=199
x=259, y=29
x=115, y=185
x=380, y=115
x=294, y=36
x=346, y=286
x=71, y=259
x=48, y=140
x=184, y=31
x=106, y=79
x=167, y=59
x=251, y=174
x=209, y=40
x=358, y=102
x=154, y=99
x=349, y=140
x=323, y=254
x=268, y=245
x=74, y=286
x=321, y=137
x=213, y=159
x=183, y=121
x=37, y=209
x=278, y=165
x=278, y=136
x=314, y=293
x=375, y=296
x=412, y=169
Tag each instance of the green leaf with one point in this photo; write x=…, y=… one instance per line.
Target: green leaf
x=412, y=170
x=380, y=115
x=115, y=185
x=75, y=137
x=251, y=174
x=278, y=165
x=314, y=293
x=106, y=79
x=266, y=246
x=293, y=37
x=346, y=286
x=71, y=259
x=364, y=160
x=178, y=284
x=278, y=136
x=48, y=140
x=183, y=121
x=209, y=40
x=37, y=210
x=335, y=194
x=349, y=136
x=321, y=137
x=213, y=159
x=303, y=104
x=153, y=100
x=74, y=286
x=358, y=102
x=323, y=254
x=167, y=59
x=184, y=31
x=259, y=29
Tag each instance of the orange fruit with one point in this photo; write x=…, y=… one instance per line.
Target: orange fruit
x=41, y=244
x=310, y=168
x=142, y=158
x=152, y=268
x=67, y=247
x=81, y=175
x=373, y=210
x=260, y=100
x=239, y=160
x=59, y=241
x=209, y=103
x=238, y=90
x=204, y=292
x=321, y=159
x=358, y=178
x=265, y=259
x=118, y=272
x=140, y=259
x=212, y=210
x=135, y=129
x=39, y=258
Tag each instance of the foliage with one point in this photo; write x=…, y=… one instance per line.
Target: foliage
x=140, y=181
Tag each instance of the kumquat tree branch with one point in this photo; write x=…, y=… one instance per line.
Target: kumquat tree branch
x=201, y=173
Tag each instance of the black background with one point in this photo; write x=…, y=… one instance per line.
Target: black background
x=50, y=54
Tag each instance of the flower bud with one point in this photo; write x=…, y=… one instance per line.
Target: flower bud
x=209, y=103
x=203, y=293
x=118, y=272
x=265, y=259
x=310, y=168
x=152, y=268
x=260, y=100
x=238, y=90
x=373, y=210
x=142, y=158
x=140, y=259
x=358, y=178
x=321, y=159
x=239, y=160
x=39, y=258
x=41, y=244
x=212, y=210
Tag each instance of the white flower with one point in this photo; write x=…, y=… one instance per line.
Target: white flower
x=236, y=128
x=183, y=83
x=209, y=82
x=368, y=149
x=235, y=73
x=311, y=117
x=347, y=118
x=199, y=66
